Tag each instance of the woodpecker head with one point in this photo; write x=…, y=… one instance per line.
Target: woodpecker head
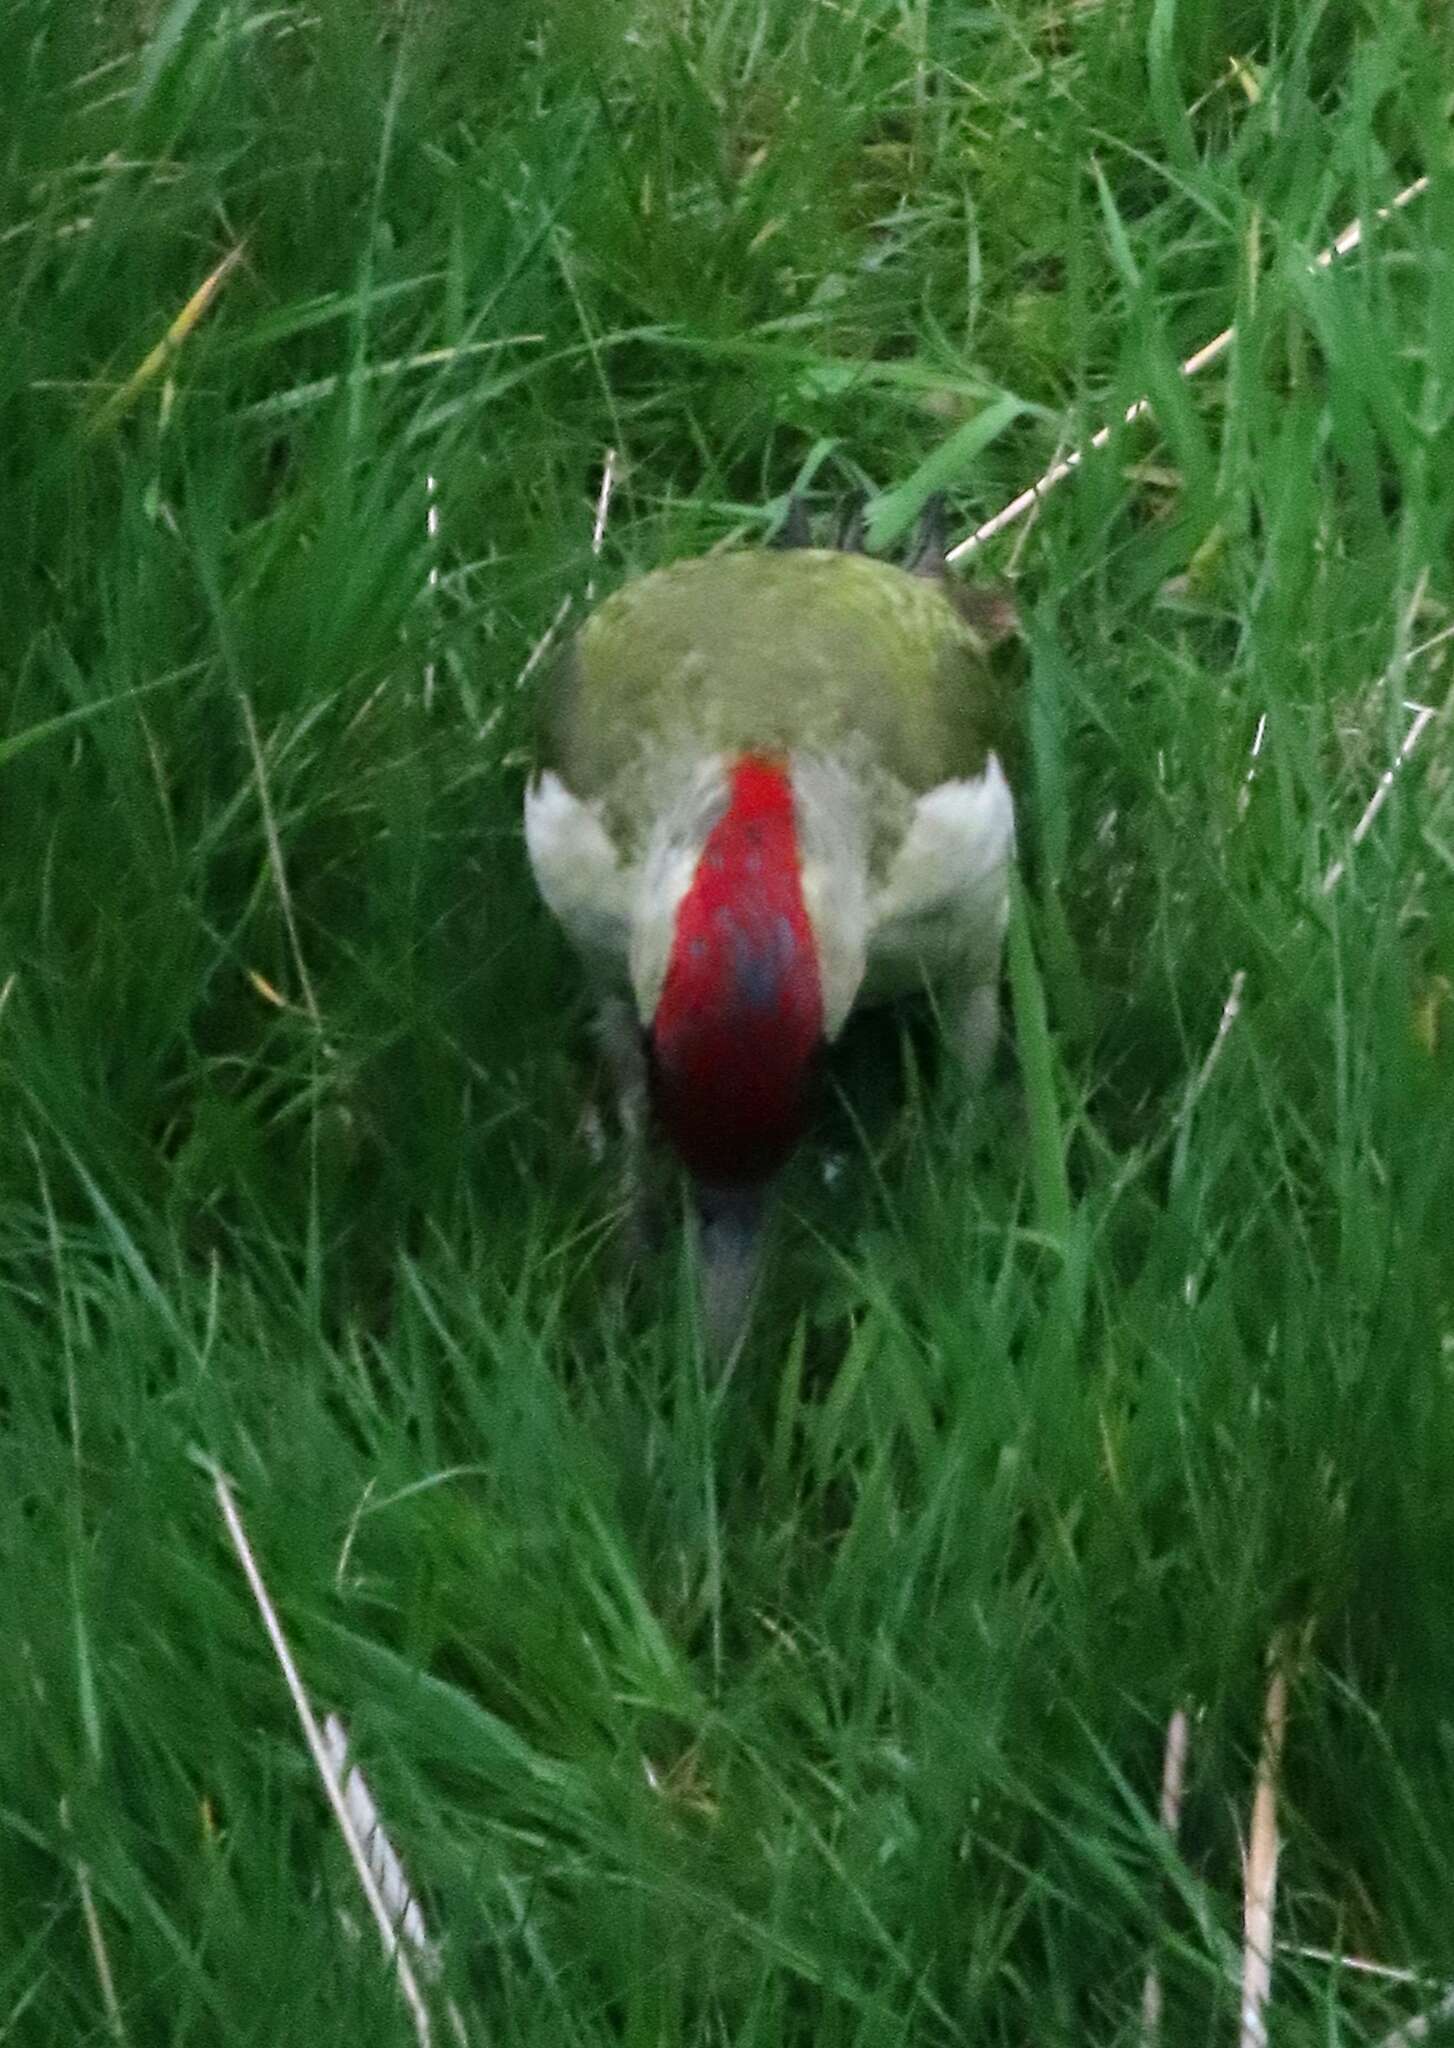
x=740, y=1015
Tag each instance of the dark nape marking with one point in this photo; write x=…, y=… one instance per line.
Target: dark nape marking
x=852, y=535
x=931, y=538
x=794, y=530
x=989, y=608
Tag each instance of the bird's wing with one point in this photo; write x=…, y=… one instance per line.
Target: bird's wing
x=579, y=873
x=940, y=907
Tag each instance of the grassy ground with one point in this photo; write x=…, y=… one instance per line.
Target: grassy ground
x=827, y=1706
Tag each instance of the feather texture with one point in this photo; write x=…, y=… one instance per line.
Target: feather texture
x=795, y=652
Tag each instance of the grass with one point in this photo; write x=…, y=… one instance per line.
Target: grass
x=827, y=1705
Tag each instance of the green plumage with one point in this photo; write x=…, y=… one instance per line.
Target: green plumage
x=803, y=650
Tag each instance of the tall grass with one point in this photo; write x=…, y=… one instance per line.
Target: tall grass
x=824, y=1705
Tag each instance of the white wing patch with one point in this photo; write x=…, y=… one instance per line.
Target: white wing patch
x=942, y=909
x=579, y=874
x=620, y=915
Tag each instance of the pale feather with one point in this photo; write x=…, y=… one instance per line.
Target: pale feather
x=620, y=914
x=579, y=874
x=940, y=914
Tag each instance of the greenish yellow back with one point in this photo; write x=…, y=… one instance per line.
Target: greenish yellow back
x=804, y=650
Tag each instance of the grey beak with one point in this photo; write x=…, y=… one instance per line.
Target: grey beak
x=729, y=1230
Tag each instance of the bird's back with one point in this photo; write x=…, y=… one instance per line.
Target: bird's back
x=807, y=650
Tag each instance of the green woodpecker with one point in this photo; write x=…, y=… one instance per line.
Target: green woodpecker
x=771, y=790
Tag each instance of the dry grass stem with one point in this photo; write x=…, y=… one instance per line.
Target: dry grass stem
x=385, y=1862
x=1352, y=235
x=261, y=986
x=1424, y=714
x=1056, y=474
x=603, y=513
x=431, y=528
x=1231, y=1009
x=1379, y=797
x=1244, y=795
x=323, y=1761
x=1022, y=538
x=1173, y=1771
x=99, y=1956
x=275, y=860
x=603, y=501
x=299, y=396
x=394, y=1888
x=95, y=1939
x=1259, y=1892
x=1393, y=1973
x=1195, y=363
x=610, y=470
x=544, y=644
x=1173, y=1782
x=156, y=360
x=350, y=1534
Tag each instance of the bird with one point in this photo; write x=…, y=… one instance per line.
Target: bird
x=771, y=789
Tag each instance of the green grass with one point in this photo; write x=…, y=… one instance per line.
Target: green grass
x=827, y=1705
